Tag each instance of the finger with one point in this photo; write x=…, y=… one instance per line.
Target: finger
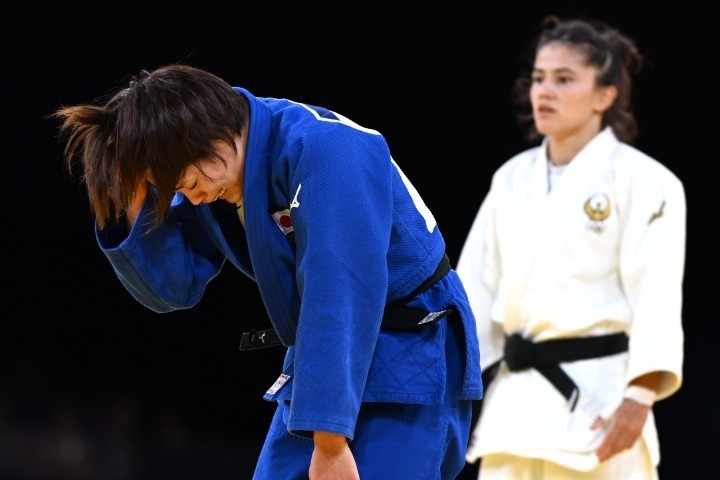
x=600, y=423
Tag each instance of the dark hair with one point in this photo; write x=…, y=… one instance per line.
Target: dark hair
x=163, y=122
x=613, y=54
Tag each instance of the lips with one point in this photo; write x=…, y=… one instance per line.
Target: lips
x=544, y=109
x=220, y=194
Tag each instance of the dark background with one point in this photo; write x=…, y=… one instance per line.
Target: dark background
x=92, y=385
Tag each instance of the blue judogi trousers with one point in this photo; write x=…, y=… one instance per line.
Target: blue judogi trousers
x=392, y=441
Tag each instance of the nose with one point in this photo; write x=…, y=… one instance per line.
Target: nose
x=542, y=89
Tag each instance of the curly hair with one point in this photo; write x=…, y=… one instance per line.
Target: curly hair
x=614, y=56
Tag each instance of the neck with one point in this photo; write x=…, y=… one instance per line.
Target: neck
x=563, y=148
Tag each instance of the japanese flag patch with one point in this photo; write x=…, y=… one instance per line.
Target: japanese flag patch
x=282, y=220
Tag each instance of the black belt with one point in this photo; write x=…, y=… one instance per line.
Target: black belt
x=545, y=357
x=396, y=317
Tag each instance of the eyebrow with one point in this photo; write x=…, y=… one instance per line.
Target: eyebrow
x=556, y=70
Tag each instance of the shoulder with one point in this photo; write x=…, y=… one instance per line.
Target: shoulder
x=637, y=165
x=317, y=137
x=519, y=163
x=317, y=124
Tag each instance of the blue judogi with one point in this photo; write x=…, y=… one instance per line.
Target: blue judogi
x=334, y=231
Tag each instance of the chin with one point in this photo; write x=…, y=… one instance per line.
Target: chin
x=544, y=129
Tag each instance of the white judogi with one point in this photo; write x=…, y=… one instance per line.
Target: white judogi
x=602, y=252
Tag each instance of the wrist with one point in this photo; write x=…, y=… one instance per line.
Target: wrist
x=329, y=442
x=642, y=395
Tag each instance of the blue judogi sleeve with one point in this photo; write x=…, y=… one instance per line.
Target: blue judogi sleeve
x=168, y=269
x=342, y=221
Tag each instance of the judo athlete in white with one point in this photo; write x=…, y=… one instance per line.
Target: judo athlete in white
x=186, y=173
x=574, y=267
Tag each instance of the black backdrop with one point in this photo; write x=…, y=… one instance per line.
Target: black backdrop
x=92, y=385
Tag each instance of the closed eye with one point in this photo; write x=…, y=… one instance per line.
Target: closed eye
x=191, y=187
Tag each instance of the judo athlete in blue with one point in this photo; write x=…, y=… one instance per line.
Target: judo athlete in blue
x=185, y=173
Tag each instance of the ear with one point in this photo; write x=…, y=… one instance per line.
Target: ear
x=605, y=97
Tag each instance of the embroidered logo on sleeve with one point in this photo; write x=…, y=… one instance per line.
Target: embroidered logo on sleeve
x=597, y=209
x=657, y=214
x=295, y=203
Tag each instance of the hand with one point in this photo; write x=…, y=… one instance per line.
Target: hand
x=332, y=458
x=622, y=429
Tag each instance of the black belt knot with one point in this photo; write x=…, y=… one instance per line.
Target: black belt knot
x=519, y=353
x=545, y=357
